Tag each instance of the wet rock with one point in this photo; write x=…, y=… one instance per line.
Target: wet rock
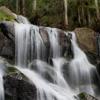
x=64, y=41
x=98, y=66
x=7, y=45
x=92, y=58
x=86, y=40
x=16, y=89
x=7, y=38
x=7, y=28
x=65, y=44
x=85, y=96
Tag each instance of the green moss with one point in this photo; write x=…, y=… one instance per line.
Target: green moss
x=82, y=96
x=4, y=16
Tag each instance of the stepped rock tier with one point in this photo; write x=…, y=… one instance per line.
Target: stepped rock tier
x=46, y=63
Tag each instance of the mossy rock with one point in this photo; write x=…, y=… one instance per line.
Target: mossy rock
x=6, y=14
x=85, y=96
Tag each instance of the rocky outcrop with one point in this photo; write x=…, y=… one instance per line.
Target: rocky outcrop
x=7, y=45
x=16, y=89
x=6, y=14
x=85, y=36
x=86, y=39
x=7, y=28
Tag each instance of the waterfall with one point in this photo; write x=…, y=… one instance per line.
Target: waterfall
x=29, y=44
x=54, y=42
x=21, y=19
x=48, y=90
x=81, y=69
x=50, y=80
x=1, y=80
x=1, y=86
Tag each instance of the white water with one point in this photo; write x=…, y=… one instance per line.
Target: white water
x=1, y=86
x=54, y=42
x=80, y=69
x=39, y=45
x=22, y=19
x=29, y=44
x=49, y=80
x=45, y=89
x=21, y=41
x=1, y=81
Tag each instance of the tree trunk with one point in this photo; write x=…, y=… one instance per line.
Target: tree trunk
x=79, y=18
x=97, y=9
x=23, y=7
x=17, y=6
x=89, y=17
x=34, y=6
x=83, y=15
x=66, y=12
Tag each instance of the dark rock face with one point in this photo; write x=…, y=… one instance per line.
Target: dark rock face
x=7, y=41
x=6, y=47
x=92, y=58
x=64, y=41
x=7, y=27
x=16, y=89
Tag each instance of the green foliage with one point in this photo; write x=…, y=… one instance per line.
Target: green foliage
x=51, y=12
x=82, y=96
x=4, y=16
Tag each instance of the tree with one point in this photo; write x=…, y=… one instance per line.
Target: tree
x=34, y=4
x=97, y=9
x=17, y=6
x=66, y=12
x=23, y=7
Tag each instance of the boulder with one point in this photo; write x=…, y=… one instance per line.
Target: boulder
x=86, y=39
x=6, y=14
x=16, y=89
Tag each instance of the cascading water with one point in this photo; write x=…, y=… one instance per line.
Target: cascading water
x=21, y=19
x=48, y=90
x=54, y=42
x=1, y=81
x=80, y=69
x=1, y=86
x=28, y=40
x=49, y=80
x=22, y=43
